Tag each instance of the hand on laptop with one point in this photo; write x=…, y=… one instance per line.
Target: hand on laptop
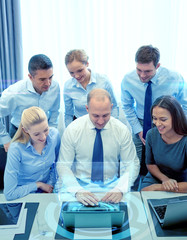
x=114, y=196
x=170, y=185
x=87, y=198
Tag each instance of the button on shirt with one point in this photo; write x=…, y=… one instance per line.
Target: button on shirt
x=75, y=157
x=25, y=166
x=75, y=96
x=22, y=95
x=165, y=82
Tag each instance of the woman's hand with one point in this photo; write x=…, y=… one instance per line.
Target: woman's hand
x=170, y=185
x=45, y=187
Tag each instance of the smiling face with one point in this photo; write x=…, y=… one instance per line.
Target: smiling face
x=79, y=71
x=38, y=132
x=163, y=120
x=146, y=71
x=99, y=111
x=41, y=80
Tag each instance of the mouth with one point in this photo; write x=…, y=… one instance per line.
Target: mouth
x=160, y=129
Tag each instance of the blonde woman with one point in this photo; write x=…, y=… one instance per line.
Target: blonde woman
x=82, y=82
x=32, y=156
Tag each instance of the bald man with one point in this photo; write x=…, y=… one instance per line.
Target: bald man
x=120, y=162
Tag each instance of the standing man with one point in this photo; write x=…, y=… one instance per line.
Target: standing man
x=39, y=90
x=116, y=165
x=160, y=80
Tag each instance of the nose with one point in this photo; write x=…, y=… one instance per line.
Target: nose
x=142, y=74
x=100, y=121
x=157, y=123
x=48, y=82
x=76, y=75
x=43, y=136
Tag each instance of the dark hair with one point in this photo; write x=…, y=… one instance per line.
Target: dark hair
x=179, y=120
x=39, y=62
x=147, y=54
x=78, y=55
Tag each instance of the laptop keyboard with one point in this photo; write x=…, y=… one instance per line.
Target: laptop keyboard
x=161, y=211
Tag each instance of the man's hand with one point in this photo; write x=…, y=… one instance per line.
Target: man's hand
x=45, y=187
x=6, y=146
x=140, y=134
x=114, y=196
x=87, y=198
x=170, y=185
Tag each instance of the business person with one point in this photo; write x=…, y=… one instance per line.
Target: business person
x=32, y=156
x=82, y=82
x=39, y=90
x=166, y=147
x=141, y=87
x=96, y=152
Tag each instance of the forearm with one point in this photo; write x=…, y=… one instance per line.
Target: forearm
x=182, y=188
x=68, y=178
x=155, y=171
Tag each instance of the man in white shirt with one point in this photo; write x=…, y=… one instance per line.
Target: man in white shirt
x=120, y=162
x=39, y=90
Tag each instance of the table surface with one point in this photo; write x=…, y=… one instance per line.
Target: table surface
x=47, y=216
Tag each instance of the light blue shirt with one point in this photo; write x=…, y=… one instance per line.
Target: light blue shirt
x=75, y=156
x=22, y=95
x=75, y=96
x=25, y=166
x=165, y=82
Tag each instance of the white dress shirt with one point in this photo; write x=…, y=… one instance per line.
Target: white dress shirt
x=75, y=156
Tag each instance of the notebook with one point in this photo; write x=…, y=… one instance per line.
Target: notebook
x=170, y=211
x=75, y=214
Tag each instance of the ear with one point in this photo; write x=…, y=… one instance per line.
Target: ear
x=87, y=108
x=25, y=130
x=111, y=106
x=30, y=76
x=87, y=64
x=158, y=65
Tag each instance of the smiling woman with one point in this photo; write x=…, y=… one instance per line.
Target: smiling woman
x=166, y=147
x=31, y=156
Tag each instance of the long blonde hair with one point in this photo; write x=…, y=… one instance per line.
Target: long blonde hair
x=30, y=117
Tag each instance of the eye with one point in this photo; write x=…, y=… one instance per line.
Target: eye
x=46, y=130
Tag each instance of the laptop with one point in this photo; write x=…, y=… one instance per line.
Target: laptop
x=11, y=214
x=170, y=211
x=103, y=215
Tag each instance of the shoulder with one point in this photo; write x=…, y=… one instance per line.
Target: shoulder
x=169, y=74
x=153, y=132
x=16, y=149
x=99, y=76
x=70, y=83
x=130, y=77
x=77, y=126
x=17, y=87
x=117, y=126
x=55, y=85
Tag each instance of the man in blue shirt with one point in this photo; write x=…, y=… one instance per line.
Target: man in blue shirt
x=39, y=90
x=134, y=85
